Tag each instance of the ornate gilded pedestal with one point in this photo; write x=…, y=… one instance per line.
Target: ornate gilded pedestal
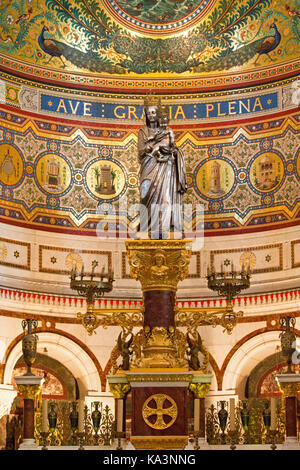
x=159, y=265
x=159, y=376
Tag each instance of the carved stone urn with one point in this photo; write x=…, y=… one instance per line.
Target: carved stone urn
x=29, y=343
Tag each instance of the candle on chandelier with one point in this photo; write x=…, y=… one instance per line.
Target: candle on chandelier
x=273, y=414
x=232, y=414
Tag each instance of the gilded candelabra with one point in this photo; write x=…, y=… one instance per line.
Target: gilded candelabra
x=91, y=289
x=228, y=284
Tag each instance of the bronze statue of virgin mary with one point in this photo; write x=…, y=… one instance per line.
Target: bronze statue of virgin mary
x=162, y=174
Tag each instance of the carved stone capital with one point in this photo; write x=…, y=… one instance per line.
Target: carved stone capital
x=200, y=390
x=119, y=390
x=159, y=264
x=289, y=389
x=29, y=391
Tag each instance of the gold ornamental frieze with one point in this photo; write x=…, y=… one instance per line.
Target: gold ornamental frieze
x=159, y=376
x=159, y=264
x=159, y=442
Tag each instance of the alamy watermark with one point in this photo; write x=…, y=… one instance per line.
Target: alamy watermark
x=296, y=354
x=157, y=222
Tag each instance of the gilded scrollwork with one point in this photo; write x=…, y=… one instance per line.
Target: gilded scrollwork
x=92, y=319
x=192, y=319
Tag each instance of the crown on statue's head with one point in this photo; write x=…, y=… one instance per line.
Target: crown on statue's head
x=151, y=100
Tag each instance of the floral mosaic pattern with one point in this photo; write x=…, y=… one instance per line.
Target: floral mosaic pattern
x=84, y=36
x=233, y=196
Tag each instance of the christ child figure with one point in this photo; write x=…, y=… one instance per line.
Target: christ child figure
x=164, y=138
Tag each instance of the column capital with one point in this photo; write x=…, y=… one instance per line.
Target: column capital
x=200, y=390
x=119, y=390
x=29, y=385
x=289, y=384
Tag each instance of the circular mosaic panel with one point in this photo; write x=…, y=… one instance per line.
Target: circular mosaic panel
x=105, y=179
x=53, y=174
x=266, y=172
x=11, y=165
x=215, y=178
x=158, y=16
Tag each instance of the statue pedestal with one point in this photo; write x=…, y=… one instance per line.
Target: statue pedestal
x=159, y=375
x=159, y=405
x=159, y=400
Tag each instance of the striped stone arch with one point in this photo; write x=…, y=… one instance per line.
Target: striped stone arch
x=66, y=349
x=250, y=352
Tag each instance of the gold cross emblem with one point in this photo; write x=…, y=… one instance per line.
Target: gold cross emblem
x=163, y=407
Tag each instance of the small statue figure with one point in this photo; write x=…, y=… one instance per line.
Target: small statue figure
x=194, y=348
x=159, y=269
x=124, y=348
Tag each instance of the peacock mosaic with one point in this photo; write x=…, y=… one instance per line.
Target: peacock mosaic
x=143, y=37
x=246, y=177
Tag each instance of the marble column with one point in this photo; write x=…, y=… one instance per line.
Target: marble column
x=119, y=387
x=29, y=386
x=200, y=387
x=289, y=385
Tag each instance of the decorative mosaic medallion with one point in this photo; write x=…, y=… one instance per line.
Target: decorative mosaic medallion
x=73, y=260
x=158, y=16
x=53, y=174
x=266, y=172
x=248, y=259
x=3, y=251
x=105, y=179
x=11, y=165
x=215, y=178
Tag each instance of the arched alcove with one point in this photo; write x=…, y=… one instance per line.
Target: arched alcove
x=247, y=357
x=65, y=351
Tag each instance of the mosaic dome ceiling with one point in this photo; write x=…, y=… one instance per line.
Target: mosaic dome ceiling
x=74, y=74
x=249, y=41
